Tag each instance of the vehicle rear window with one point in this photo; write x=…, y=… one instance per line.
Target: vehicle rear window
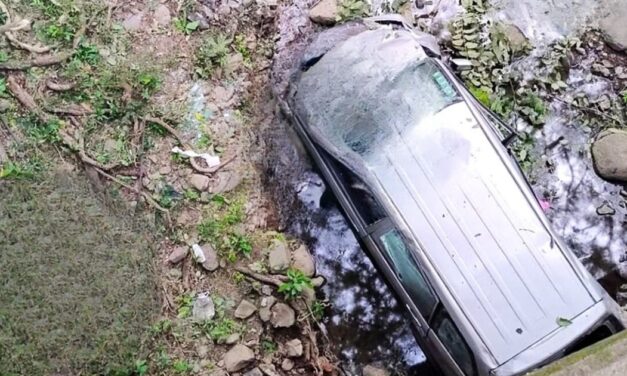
x=408, y=272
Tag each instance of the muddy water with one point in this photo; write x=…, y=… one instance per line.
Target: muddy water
x=365, y=323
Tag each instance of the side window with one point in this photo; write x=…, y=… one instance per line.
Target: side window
x=362, y=198
x=408, y=272
x=452, y=339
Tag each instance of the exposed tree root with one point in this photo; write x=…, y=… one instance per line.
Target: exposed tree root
x=59, y=86
x=25, y=98
x=39, y=61
x=72, y=110
x=270, y=280
x=146, y=196
x=13, y=39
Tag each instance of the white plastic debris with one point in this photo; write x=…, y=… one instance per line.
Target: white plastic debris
x=212, y=160
x=199, y=254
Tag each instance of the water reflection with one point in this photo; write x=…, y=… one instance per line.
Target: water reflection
x=568, y=180
x=365, y=323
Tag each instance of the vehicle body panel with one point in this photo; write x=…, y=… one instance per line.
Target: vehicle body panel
x=477, y=230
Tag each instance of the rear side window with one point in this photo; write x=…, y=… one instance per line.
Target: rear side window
x=408, y=272
x=452, y=339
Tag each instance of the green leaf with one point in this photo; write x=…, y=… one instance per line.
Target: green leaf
x=562, y=322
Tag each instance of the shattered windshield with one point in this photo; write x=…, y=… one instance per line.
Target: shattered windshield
x=369, y=91
x=417, y=93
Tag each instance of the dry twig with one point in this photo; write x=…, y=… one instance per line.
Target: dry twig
x=271, y=280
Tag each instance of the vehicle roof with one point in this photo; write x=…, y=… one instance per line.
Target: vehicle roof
x=455, y=195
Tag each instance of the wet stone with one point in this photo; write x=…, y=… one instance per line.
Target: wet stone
x=371, y=370
x=245, y=309
x=605, y=209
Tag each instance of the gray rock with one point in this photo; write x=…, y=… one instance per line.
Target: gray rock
x=609, y=153
x=254, y=372
x=324, y=12
x=212, y=262
x=294, y=348
x=287, y=364
x=238, y=357
x=268, y=369
x=162, y=15
x=200, y=182
x=202, y=351
x=203, y=23
x=264, y=311
x=245, y=309
x=371, y=370
x=134, y=22
x=266, y=290
x=279, y=257
x=605, y=209
x=518, y=42
x=218, y=372
x=613, y=26
x=203, y=308
x=283, y=316
x=227, y=181
x=178, y=254
x=304, y=261
x=232, y=339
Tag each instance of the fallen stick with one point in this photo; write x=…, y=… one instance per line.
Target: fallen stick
x=57, y=86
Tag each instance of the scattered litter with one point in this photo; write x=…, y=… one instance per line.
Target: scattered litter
x=562, y=322
x=545, y=205
x=605, y=209
x=212, y=160
x=199, y=254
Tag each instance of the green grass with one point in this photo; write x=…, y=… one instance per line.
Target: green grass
x=78, y=290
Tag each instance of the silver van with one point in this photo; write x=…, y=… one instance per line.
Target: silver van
x=423, y=173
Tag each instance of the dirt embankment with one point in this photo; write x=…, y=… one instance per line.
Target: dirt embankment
x=109, y=90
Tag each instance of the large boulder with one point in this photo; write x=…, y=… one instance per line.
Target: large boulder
x=613, y=25
x=238, y=357
x=609, y=152
x=324, y=12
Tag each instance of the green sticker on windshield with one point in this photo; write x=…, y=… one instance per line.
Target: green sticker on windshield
x=444, y=85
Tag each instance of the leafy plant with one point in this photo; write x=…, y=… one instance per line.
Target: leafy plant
x=482, y=95
x=191, y=194
x=41, y=132
x=533, y=108
x=181, y=366
x=185, y=302
x=220, y=329
x=161, y=327
x=4, y=56
x=212, y=54
x=352, y=9
x=268, y=346
x=241, y=244
x=317, y=309
x=184, y=26
x=18, y=171
x=141, y=367
x=296, y=283
x=87, y=53
x=148, y=83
